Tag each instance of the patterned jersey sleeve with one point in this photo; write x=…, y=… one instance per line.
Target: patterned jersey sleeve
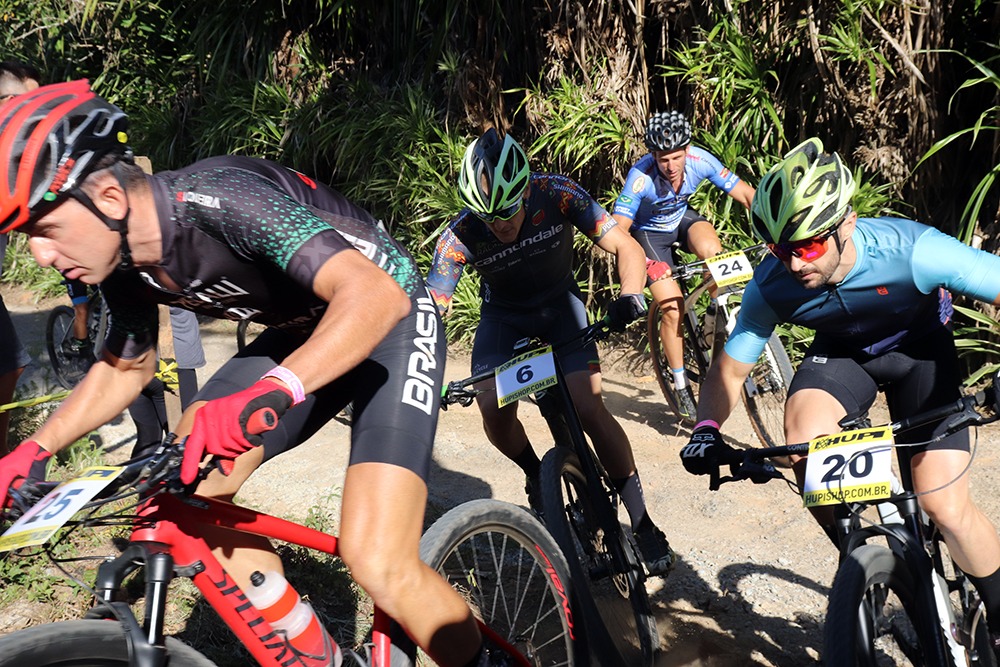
x=450, y=257
x=708, y=167
x=580, y=208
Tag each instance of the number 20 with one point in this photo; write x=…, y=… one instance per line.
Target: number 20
x=859, y=466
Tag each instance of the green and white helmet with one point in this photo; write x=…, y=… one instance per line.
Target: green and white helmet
x=802, y=196
x=494, y=174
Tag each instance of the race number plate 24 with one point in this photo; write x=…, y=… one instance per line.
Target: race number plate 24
x=854, y=466
x=53, y=511
x=525, y=374
x=731, y=268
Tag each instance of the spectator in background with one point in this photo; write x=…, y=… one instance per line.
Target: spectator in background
x=15, y=78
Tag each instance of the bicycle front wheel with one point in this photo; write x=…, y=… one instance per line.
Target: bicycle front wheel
x=765, y=392
x=681, y=404
x=83, y=644
x=873, y=617
x=604, y=564
x=512, y=574
x=68, y=369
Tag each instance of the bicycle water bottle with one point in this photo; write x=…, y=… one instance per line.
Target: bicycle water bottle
x=289, y=615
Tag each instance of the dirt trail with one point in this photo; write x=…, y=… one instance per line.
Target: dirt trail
x=751, y=585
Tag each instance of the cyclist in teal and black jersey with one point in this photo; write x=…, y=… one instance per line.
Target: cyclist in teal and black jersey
x=874, y=291
x=517, y=231
x=240, y=238
x=653, y=206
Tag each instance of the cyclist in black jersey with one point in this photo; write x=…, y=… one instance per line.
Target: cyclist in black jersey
x=243, y=238
x=517, y=231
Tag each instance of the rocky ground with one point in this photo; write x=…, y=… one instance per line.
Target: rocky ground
x=751, y=585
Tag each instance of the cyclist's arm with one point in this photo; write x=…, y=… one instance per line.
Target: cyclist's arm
x=743, y=193
x=624, y=222
x=365, y=303
x=446, y=269
x=630, y=256
x=721, y=390
x=940, y=260
x=754, y=325
x=110, y=385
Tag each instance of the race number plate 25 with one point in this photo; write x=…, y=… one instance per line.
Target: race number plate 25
x=52, y=512
x=730, y=268
x=854, y=466
x=525, y=374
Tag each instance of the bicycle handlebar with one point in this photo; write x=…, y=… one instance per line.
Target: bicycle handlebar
x=457, y=391
x=150, y=473
x=964, y=412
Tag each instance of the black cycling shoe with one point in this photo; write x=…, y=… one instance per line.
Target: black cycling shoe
x=533, y=489
x=655, y=549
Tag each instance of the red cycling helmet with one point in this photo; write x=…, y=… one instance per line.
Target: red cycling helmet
x=50, y=139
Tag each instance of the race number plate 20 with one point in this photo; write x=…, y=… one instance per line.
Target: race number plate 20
x=731, y=268
x=526, y=374
x=50, y=513
x=854, y=466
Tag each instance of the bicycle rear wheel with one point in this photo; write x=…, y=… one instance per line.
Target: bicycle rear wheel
x=873, y=617
x=604, y=563
x=83, y=644
x=765, y=392
x=695, y=370
x=513, y=576
x=69, y=370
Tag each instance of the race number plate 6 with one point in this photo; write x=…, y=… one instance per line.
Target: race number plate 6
x=854, y=466
x=730, y=268
x=52, y=512
x=525, y=374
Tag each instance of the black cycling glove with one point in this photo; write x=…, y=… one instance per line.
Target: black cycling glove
x=706, y=451
x=624, y=310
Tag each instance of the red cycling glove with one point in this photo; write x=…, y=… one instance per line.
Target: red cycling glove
x=657, y=270
x=27, y=461
x=220, y=427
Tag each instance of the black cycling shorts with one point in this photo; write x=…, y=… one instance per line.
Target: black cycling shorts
x=918, y=376
x=659, y=246
x=395, y=393
x=553, y=322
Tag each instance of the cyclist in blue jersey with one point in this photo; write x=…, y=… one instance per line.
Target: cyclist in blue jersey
x=653, y=206
x=241, y=238
x=874, y=290
x=517, y=231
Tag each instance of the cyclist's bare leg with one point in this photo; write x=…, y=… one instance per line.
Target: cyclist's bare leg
x=667, y=294
x=704, y=242
x=809, y=414
x=80, y=321
x=381, y=522
x=607, y=434
x=971, y=537
x=503, y=429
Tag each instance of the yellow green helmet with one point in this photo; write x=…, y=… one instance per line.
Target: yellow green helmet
x=494, y=174
x=802, y=196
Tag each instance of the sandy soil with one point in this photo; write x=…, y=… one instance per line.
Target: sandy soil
x=751, y=585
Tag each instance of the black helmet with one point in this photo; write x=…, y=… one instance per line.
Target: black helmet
x=667, y=131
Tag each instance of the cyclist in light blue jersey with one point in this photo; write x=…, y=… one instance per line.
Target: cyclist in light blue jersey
x=876, y=291
x=653, y=206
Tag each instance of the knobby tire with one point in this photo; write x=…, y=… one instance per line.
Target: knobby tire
x=873, y=617
x=514, y=577
x=68, y=370
x=603, y=563
x=85, y=643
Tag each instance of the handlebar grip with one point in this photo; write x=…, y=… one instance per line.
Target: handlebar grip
x=262, y=421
